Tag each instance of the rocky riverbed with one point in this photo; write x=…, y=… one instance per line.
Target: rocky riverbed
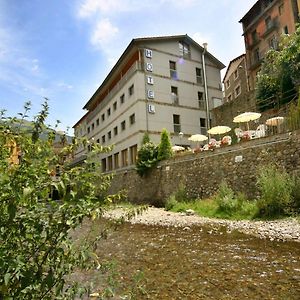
x=283, y=230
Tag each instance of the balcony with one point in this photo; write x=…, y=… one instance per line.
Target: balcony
x=270, y=27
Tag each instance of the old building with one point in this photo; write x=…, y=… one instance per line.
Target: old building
x=263, y=25
x=158, y=82
x=236, y=80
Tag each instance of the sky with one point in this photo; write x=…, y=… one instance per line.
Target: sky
x=64, y=49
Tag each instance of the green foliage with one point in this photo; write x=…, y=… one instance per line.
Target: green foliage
x=171, y=202
x=295, y=204
x=36, y=250
x=276, y=191
x=294, y=115
x=146, y=158
x=165, y=146
x=146, y=138
x=280, y=74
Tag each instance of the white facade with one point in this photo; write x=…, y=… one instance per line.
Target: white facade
x=157, y=82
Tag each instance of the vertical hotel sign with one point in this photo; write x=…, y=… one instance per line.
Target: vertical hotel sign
x=149, y=79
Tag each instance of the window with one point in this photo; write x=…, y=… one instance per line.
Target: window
x=227, y=83
x=98, y=141
x=116, y=160
x=184, y=49
x=285, y=30
x=108, y=112
x=254, y=36
x=229, y=98
x=103, y=164
x=122, y=99
x=115, y=106
x=110, y=163
x=198, y=75
x=116, y=130
x=124, y=156
x=176, y=123
x=268, y=22
x=131, y=90
x=133, y=154
x=237, y=91
x=89, y=129
x=123, y=125
x=256, y=55
x=103, y=117
x=174, y=95
x=93, y=126
x=97, y=122
x=203, y=129
x=201, y=102
x=103, y=139
x=173, y=73
x=235, y=74
x=109, y=135
x=280, y=9
x=132, y=119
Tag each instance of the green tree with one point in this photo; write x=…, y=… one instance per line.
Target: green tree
x=146, y=138
x=279, y=76
x=146, y=158
x=37, y=252
x=165, y=146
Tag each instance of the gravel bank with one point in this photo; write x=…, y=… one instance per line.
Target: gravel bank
x=283, y=230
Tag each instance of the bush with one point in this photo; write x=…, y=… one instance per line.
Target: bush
x=276, y=192
x=147, y=158
x=171, y=203
x=165, y=146
x=295, y=204
x=181, y=194
x=225, y=198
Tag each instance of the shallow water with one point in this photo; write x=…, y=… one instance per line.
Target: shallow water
x=203, y=263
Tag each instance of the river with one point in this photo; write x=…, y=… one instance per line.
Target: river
x=161, y=262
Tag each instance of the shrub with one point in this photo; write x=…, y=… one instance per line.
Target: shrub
x=165, y=146
x=276, y=191
x=225, y=198
x=146, y=158
x=171, y=203
x=146, y=138
x=181, y=194
x=295, y=204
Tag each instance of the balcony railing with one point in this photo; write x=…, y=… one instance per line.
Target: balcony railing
x=136, y=66
x=270, y=27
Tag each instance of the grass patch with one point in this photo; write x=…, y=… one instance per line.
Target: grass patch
x=210, y=208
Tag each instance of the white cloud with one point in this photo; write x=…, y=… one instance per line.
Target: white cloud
x=103, y=33
x=65, y=86
x=90, y=7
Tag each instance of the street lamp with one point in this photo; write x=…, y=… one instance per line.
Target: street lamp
x=180, y=137
x=205, y=86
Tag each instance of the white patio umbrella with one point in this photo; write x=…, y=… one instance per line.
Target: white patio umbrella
x=219, y=130
x=246, y=117
x=177, y=148
x=198, y=138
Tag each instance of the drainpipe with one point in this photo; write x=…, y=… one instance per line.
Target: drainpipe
x=205, y=86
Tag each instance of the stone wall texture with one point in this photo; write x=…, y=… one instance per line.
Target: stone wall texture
x=201, y=174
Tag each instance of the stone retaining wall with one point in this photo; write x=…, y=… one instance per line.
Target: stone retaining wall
x=202, y=173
